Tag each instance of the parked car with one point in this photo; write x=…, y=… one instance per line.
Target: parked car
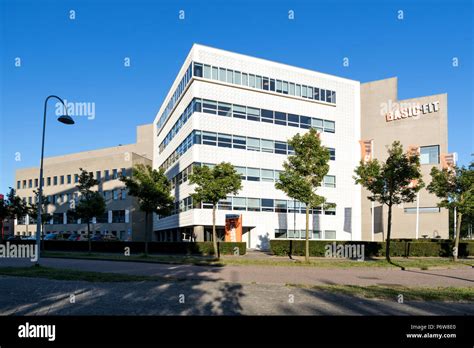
x=51, y=236
x=28, y=238
x=14, y=238
x=109, y=238
x=82, y=237
x=97, y=238
x=73, y=237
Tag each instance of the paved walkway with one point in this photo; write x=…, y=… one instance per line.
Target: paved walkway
x=463, y=277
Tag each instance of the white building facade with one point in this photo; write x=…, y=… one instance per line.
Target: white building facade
x=230, y=107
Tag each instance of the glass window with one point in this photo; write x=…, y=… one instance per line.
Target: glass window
x=330, y=211
x=55, y=181
x=239, y=142
x=422, y=210
x=310, y=92
x=224, y=109
x=280, y=206
x=328, y=96
x=239, y=111
x=253, y=174
x=328, y=234
x=225, y=204
x=197, y=105
x=196, y=137
x=292, y=88
x=18, y=184
x=332, y=154
x=329, y=181
x=266, y=84
x=114, y=174
x=293, y=206
x=252, y=81
x=259, y=82
x=245, y=79
x=303, y=91
x=323, y=95
x=267, y=204
x=280, y=233
x=316, y=234
x=224, y=140
x=48, y=182
x=253, y=144
x=317, y=124
x=329, y=126
x=207, y=71
x=239, y=203
x=285, y=87
x=253, y=204
x=298, y=91
x=293, y=233
x=272, y=85
x=267, y=145
x=316, y=93
x=209, y=138
x=197, y=69
x=280, y=147
x=280, y=118
x=278, y=86
x=237, y=77
x=267, y=175
x=305, y=122
x=293, y=120
x=429, y=154
x=267, y=116
x=215, y=73
x=253, y=114
x=242, y=171
x=222, y=75
x=230, y=76
x=209, y=106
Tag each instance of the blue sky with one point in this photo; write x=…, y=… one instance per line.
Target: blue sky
x=83, y=59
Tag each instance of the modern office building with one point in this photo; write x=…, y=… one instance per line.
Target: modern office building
x=230, y=107
x=122, y=219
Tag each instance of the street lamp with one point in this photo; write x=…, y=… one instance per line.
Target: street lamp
x=66, y=119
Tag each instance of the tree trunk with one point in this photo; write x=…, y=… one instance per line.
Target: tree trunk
x=214, y=234
x=306, y=254
x=89, y=236
x=458, y=236
x=146, y=233
x=389, y=230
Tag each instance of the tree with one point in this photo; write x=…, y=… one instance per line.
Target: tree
x=91, y=203
x=303, y=173
x=33, y=210
x=4, y=212
x=14, y=207
x=212, y=185
x=152, y=189
x=395, y=181
x=455, y=187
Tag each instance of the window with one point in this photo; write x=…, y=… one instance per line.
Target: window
x=316, y=234
x=329, y=126
x=106, y=175
x=252, y=81
x=293, y=206
x=239, y=142
x=280, y=206
x=280, y=118
x=332, y=154
x=317, y=124
x=298, y=90
x=225, y=204
x=316, y=93
x=330, y=211
x=280, y=233
x=272, y=85
x=267, y=116
x=267, y=175
x=230, y=76
x=239, y=203
x=222, y=75
x=266, y=84
x=280, y=147
x=224, y=140
x=253, y=174
x=116, y=194
x=97, y=175
x=197, y=69
x=329, y=234
x=429, y=154
x=76, y=178
x=57, y=218
x=253, y=114
x=239, y=111
x=36, y=182
x=209, y=106
x=305, y=122
x=48, y=181
x=30, y=183
x=292, y=88
x=245, y=79
x=293, y=233
x=267, y=145
x=259, y=82
x=278, y=86
x=253, y=204
x=209, y=138
x=114, y=174
x=207, y=71
x=18, y=184
x=285, y=87
x=267, y=204
x=323, y=95
x=224, y=109
x=293, y=120
x=118, y=216
x=422, y=210
x=242, y=171
x=253, y=144
x=123, y=194
x=123, y=172
x=215, y=73
x=329, y=181
x=303, y=92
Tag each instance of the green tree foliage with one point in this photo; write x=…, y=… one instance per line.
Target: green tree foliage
x=152, y=189
x=455, y=188
x=304, y=172
x=13, y=207
x=212, y=185
x=33, y=210
x=391, y=182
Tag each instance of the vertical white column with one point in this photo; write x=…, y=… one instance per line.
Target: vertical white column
x=64, y=218
x=127, y=216
x=417, y=229
x=110, y=217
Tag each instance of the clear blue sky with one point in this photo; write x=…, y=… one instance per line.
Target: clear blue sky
x=82, y=59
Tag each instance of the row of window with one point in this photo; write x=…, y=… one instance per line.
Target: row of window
x=246, y=173
x=67, y=179
x=301, y=234
x=175, y=97
x=117, y=194
x=253, y=204
x=231, y=141
x=248, y=113
x=112, y=216
x=263, y=83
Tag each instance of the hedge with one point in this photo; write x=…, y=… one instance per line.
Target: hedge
x=371, y=249
x=196, y=248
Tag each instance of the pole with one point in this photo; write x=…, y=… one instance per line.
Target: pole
x=455, y=221
x=373, y=221
x=40, y=190
x=417, y=214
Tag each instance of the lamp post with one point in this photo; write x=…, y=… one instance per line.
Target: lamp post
x=63, y=119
